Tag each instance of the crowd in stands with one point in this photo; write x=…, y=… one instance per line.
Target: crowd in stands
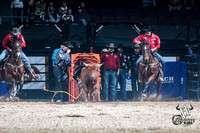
x=137, y=11
x=41, y=11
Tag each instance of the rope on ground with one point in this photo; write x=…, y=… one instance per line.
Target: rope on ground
x=55, y=92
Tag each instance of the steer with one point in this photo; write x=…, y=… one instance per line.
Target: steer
x=89, y=76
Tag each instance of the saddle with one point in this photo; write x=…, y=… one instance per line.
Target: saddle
x=160, y=73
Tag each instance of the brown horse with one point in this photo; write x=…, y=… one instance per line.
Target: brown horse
x=150, y=69
x=12, y=69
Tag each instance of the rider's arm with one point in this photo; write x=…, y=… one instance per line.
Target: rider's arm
x=137, y=39
x=23, y=44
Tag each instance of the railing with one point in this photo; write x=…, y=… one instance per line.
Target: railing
x=12, y=19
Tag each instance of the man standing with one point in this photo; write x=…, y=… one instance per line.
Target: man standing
x=133, y=71
x=60, y=70
x=154, y=42
x=111, y=70
x=7, y=43
x=121, y=78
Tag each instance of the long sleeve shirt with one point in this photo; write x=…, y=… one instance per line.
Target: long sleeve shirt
x=9, y=38
x=62, y=58
x=153, y=40
x=111, y=62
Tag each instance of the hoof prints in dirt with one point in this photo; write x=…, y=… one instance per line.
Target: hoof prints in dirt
x=76, y=116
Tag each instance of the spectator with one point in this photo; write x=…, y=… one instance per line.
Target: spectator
x=121, y=78
x=17, y=6
x=133, y=71
x=189, y=5
x=149, y=4
x=28, y=5
x=63, y=9
x=60, y=70
x=51, y=7
x=82, y=17
x=68, y=17
x=111, y=70
x=53, y=17
x=36, y=14
x=174, y=5
x=83, y=6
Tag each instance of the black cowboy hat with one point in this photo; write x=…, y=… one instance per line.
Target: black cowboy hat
x=120, y=46
x=147, y=28
x=68, y=44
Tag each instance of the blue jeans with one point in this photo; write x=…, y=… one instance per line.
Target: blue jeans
x=121, y=79
x=60, y=77
x=25, y=60
x=109, y=83
x=157, y=55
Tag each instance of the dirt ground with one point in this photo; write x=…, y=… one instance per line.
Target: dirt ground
x=46, y=117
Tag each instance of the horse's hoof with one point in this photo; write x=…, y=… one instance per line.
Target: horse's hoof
x=143, y=97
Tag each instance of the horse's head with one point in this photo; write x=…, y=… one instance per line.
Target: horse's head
x=146, y=51
x=16, y=49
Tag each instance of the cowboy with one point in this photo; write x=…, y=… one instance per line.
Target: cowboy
x=121, y=78
x=132, y=70
x=60, y=69
x=111, y=70
x=7, y=43
x=154, y=42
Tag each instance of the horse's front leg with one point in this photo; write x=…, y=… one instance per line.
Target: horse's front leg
x=12, y=89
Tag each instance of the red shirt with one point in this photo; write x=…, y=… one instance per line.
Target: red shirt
x=10, y=37
x=111, y=62
x=154, y=40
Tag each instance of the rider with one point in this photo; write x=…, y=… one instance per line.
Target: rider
x=7, y=42
x=154, y=42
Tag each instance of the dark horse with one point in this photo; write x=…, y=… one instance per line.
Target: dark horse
x=150, y=69
x=12, y=69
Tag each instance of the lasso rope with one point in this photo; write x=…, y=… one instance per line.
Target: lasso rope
x=55, y=92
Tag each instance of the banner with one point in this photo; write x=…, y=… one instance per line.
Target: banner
x=174, y=81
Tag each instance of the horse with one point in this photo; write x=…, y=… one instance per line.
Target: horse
x=12, y=69
x=150, y=70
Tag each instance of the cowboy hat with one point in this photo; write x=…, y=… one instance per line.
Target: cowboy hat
x=68, y=44
x=111, y=45
x=104, y=50
x=120, y=46
x=147, y=28
x=15, y=31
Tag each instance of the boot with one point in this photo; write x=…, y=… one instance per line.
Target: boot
x=33, y=74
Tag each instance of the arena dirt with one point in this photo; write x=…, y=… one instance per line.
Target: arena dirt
x=46, y=117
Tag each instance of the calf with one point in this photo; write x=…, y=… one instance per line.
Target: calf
x=89, y=76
